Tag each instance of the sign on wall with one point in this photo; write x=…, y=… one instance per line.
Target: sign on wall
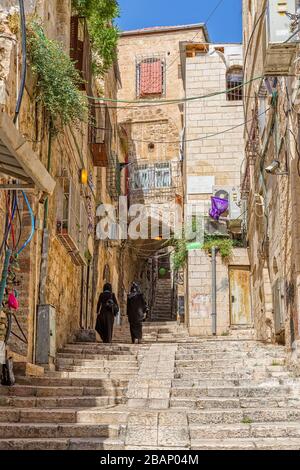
x=200, y=184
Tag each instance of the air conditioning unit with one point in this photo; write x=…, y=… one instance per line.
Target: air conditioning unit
x=233, y=195
x=280, y=45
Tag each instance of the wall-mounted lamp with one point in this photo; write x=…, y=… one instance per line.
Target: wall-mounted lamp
x=84, y=176
x=274, y=169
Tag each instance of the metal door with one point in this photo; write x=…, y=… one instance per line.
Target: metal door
x=240, y=301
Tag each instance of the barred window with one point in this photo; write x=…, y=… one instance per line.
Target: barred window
x=234, y=79
x=150, y=76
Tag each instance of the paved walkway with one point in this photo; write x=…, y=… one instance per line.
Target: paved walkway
x=172, y=392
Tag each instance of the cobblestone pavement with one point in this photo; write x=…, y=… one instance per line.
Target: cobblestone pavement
x=172, y=392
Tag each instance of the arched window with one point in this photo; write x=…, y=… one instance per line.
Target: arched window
x=234, y=78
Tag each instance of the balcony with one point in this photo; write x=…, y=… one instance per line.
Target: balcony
x=155, y=183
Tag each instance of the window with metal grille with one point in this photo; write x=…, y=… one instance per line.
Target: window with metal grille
x=151, y=177
x=234, y=79
x=150, y=76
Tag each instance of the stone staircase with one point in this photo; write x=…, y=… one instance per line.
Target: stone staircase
x=162, y=309
x=171, y=392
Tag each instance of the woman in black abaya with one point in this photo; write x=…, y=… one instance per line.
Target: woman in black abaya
x=107, y=308
x=136, y=309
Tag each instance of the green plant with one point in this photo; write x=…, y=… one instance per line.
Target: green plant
x=276, y=363
x=225, y=333
x=224, y=244
x=57, y=78
x=247, y=420
x=103, y=33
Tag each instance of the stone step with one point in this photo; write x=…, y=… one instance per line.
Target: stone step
x=254, y=430
x=246, y=444
x=97, y=357
x=60, y=402
x=62, y=416
x=61, y=391
x=92, y=374
x=231, y=392
x=92, y=368
x=59, y=431
x=245, y=416
x=61, y=444
x=69, y=382
x=234, y=403
x=208, y=383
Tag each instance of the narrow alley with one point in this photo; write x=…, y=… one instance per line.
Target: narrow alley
x=172, y=392
x=149, y=226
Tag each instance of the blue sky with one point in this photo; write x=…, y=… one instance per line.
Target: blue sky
x=224, y=26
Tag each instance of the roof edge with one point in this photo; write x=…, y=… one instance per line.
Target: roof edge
x=166, y=29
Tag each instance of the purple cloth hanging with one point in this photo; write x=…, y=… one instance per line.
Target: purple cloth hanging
x=218, y=207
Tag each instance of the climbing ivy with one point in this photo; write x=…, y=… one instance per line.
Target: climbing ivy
x=57, y=78
x=225, y=245
x=100, y=15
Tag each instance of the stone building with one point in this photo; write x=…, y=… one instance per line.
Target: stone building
x=150, y=68
x=212, y=159
x=65, y=176
x=270, y=177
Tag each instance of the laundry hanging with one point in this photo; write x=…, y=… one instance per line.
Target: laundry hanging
x=218, y=207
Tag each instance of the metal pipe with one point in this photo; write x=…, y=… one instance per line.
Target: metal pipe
x=214, y=290
x=24, y=60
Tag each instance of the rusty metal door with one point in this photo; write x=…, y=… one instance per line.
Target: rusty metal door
x=240, y=300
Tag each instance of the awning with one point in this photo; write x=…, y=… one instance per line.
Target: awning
x=18, y=160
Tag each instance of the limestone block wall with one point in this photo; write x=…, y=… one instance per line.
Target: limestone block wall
x=273, y=235
x=153, y=123
x=199, y=320
x=220, y=155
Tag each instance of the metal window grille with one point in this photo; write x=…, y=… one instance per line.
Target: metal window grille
x=150, y=76
x=159, y=181
x=235, y=79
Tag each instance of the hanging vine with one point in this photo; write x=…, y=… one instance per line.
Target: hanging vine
x=100, y=15
x=57, y=78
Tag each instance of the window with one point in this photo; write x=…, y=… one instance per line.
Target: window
x=141, y=178
x=150, y=77
x=235, y=79
x=154, y=177
x=162, y=175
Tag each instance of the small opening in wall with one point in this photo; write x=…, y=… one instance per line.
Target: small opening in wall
x=151, y=146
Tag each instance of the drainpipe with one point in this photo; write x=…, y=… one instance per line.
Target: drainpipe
x=214, y=290
x=24, y=61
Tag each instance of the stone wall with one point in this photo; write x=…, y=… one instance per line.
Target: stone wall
x=61, y=283
x=199, y=287
x=273, y=220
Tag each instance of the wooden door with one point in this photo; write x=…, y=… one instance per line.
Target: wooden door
x=240, y=300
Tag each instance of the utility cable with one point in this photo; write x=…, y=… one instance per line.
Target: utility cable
x=32, y=224
x=200, y=138
x=178, y=100
x=24, y=60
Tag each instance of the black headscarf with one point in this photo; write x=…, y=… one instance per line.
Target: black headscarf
x=134, y=290
x=107, y=287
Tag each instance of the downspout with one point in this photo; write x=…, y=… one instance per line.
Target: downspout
x=24, y=61
x=214, y=290
x=45, y=236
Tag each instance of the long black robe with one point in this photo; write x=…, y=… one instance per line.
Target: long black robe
x=105, y=318
x=136, y=307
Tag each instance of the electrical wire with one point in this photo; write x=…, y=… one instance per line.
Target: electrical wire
x=199, y=138
x=178, y=100
x=32, y=224
x=259, y=19
x=24, y=60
